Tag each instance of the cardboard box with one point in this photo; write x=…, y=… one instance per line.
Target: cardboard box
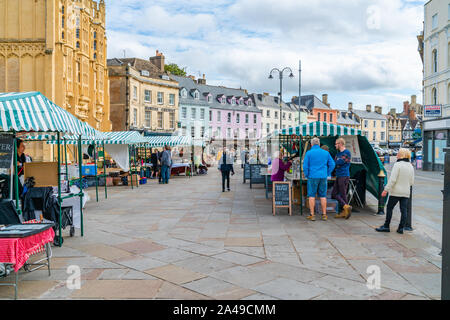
x=135, y=180
x=109, y=181
x=117, y=181
x=296, y=194
x=44, y=173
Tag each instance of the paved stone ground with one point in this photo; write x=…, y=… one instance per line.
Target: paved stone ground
x=188, y=240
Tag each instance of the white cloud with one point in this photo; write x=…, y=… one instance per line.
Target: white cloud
x=348, y=47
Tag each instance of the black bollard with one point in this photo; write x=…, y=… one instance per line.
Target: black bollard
x=381, y=177
x=408, y=225
x=445, y=283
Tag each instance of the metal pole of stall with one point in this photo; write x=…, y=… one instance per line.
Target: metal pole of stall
x=80, y=170
x=381, y=177
x=67, y=166
x=96, y=173
x=145, y=161
x=135, y=167
x=301, y=175
x=131, y=171
x=16, y=176
x=104, y=168
x=408, y=225
x=59, y=191
x=445, y=282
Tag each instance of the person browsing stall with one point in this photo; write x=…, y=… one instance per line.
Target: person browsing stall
x=317, y=167
x=279, y=167
x=166, y=163
x=339, y=193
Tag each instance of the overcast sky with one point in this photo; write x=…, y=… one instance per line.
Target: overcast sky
x=363, y=51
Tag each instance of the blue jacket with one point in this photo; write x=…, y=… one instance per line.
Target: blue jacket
x=318, y=163
x=343, y=160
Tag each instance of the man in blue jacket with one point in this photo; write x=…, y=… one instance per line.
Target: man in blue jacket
x=317, y=166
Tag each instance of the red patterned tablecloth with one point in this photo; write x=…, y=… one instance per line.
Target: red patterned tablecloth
x=16, y=251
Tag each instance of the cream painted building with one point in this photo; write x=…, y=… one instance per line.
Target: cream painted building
x=372, y=123
x=436, y=55
x=57, y=47
x=153, y=98
x=270, y=113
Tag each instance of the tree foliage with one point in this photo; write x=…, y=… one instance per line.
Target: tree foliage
x=174, y=69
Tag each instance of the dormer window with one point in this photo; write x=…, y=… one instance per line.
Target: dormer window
x=183, y=93
x=224, y=100
x=209, y=98
x=249, y=102
x=233, y=101
x=195, y=94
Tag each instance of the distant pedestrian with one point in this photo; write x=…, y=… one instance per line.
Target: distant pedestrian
x=226, y=167
x=166, y=163
x=155, y=165
x=339, y=193
x=317, y=167
x=398, y=188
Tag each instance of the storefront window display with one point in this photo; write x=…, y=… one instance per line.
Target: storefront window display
x=440, y=142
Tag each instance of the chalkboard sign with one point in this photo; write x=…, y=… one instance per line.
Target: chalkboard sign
x=282, y=196
x=6, y=152
x=255, y=174
x=246, y=172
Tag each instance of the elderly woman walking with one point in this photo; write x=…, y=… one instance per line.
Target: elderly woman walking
x=398, y=187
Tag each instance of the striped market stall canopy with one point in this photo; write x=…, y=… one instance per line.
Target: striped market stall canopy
x=319, y=129
x=173, y=141
x=33, y=112
x=124, y=137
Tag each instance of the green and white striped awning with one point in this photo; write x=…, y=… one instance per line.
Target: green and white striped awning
x=173, y=141
x=33, y=112
x=124, y=137
x=319, y=129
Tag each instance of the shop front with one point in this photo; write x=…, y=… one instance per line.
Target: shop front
x=436, y=138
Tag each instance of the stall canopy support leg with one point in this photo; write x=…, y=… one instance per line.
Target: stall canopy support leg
x=104, y=169
x=80, y=164
x=59, y=191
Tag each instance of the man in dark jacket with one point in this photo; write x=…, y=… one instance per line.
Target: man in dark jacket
x=226, y=167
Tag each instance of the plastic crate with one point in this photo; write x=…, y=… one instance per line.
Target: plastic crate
x=89, y=170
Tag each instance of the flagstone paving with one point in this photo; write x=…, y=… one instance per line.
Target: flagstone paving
x=188, y=240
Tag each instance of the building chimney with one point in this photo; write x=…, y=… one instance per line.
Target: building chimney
x=406, y=108
x=325, y=99
x=393, y=112
x=413, y=100
x=378, y=109
x=202, y=81
x=350, y=107
x=369, y=108
x=158, y=60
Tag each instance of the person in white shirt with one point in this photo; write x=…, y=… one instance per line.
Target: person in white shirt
x=398, y=188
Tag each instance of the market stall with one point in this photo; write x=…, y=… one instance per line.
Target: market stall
x=366, y=170
x=180, y=165
x=31, y=112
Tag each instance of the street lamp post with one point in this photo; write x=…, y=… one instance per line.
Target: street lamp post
x=280, y=74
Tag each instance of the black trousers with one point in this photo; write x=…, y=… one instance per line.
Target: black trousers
x=225, y=176
x=403, y=209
